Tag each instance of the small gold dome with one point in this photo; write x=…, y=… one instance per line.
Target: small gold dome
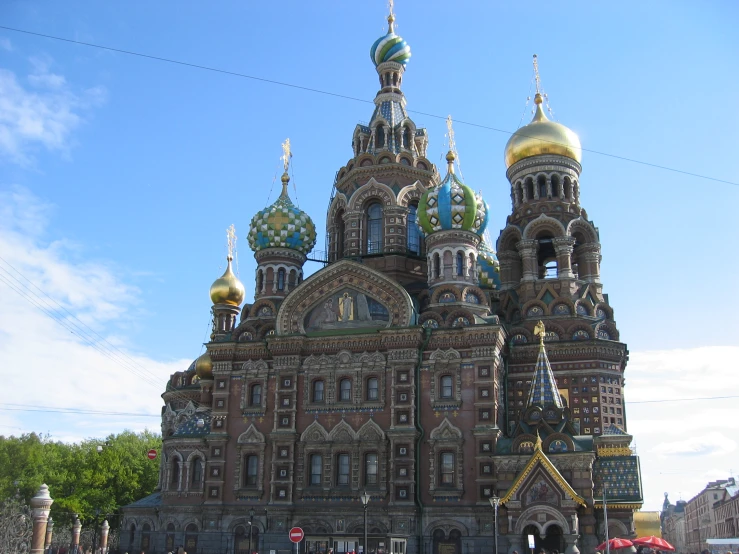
x=227, y=289
x=204, y=367
x=542, y=136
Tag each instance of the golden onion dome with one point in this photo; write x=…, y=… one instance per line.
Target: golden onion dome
x=227, y=289
x=542, y=136
x=204, y=367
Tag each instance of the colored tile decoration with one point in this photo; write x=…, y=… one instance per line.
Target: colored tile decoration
x=603, y=334
x=390, y=48
x=622, y=475
x=488, y=268
x=581, y=334
x=582, y=310
x=562, y=309
x=543, y=390
x=431, y=324
x=471, y=298
x=282, y=225
x=461, y=322
x=535, y=311
x=189, y=425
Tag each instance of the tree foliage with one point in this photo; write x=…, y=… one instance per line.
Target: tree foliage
x=82, y=478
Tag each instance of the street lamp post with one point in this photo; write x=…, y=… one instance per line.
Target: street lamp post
x=495, y=502
x=251, y=526
x=365, y=502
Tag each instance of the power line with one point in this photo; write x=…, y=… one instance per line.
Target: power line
x=347, y=97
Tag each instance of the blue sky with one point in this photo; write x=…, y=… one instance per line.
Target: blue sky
x=119, y=176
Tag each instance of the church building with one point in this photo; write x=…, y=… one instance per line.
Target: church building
x=425, y=392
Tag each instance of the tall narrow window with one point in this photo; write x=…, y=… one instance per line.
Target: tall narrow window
x=197, y=471
x=446, y=467
x=318, y=391
x=281, y=279
x=406, y=138
x=437, y=266
x=339, y=238
x=345, y=390
x=342, y=470
x=374, y=229
x=373, y=389
x=316, y=467
x=175, y=472
x=251, y=468
x=414, y=237
x=446, y=386
x=260, y=281
x=460, y=264
x=256, y=395
x=370, y=469
x=380, y=137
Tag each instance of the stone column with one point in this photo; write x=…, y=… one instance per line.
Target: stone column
x=571, y=544
x=76, y=529
x=507, y=260
x=527, y=249
x=104, y=530
x=40, y=507
x=590, y=255
x=564, y=246
x=49, y=532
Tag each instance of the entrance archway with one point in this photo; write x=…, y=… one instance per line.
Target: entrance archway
x=553, y=542
x=443, y=544
x=531, y=530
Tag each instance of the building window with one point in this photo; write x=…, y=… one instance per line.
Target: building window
x=345, y=390
x=175, y=472
x=250, y=472
x=318, y=391
x=280, y=279
x=446, y=465
x=256, y=395
x=460, y=264
x=414, y=237
x=373, y=389
x=342, y=470
x=446, y=389
x=437, y=266
x=370, y=469
x=316, y=463
x=340, y=232
x=374, y=228
x=197, y=471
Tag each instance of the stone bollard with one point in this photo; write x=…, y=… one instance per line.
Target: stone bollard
x=76, y=529
x=49, y=533
x=40, y=507
x=104, y=537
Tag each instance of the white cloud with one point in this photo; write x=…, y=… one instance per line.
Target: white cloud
x=683, y=444
x=42, y=115
x=45, y=364
x=5, y=44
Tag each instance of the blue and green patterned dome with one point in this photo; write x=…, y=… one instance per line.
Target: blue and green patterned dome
x=282, y=225
x=488, y=267
x=390, y=48
x=452, y=205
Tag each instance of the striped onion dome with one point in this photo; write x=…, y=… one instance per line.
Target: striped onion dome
x=391, y=47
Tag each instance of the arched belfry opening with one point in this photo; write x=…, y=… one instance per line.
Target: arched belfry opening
x=546, y=260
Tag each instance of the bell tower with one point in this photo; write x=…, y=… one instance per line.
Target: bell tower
x=550, y=255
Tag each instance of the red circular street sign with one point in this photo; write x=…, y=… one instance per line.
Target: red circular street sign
x=296, y=534
x=151, y=454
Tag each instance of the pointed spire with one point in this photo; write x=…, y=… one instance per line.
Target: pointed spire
x=543, y=390
x=390, y=17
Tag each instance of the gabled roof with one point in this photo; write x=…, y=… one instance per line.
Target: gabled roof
x=538, y=457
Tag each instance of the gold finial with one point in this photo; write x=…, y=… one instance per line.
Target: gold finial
x=541, y=331
x=231, y=241
x=286, y=155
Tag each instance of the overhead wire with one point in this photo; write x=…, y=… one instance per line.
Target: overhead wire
x=352, y=98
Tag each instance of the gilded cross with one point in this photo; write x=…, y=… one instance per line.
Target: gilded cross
x=536, y=74
x=286, y=154
x=231, y=240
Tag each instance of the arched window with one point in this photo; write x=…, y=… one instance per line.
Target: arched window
x=460, y=264
x=380, y=136
x=339, y=238
x=175, y=472
x=414, y=237
x=197, y=471
x=530, y=189
x=343, y=469
x=555, y=186
x=255, y=398
x=260, y=281
x=406, y=138
x=145, y=537
x=191, y=538
x=251, y=470
x=446, y=469
x=374, y=228
x=345, y=390
x=370, y=469
x=541, y=181
x=281, y=279
x=169, y=543
x=446, y=388
x=437, y=265
x=567, y=188
x=373, y=389
x=318, y=391
x=131, y=535
x=316, y=469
